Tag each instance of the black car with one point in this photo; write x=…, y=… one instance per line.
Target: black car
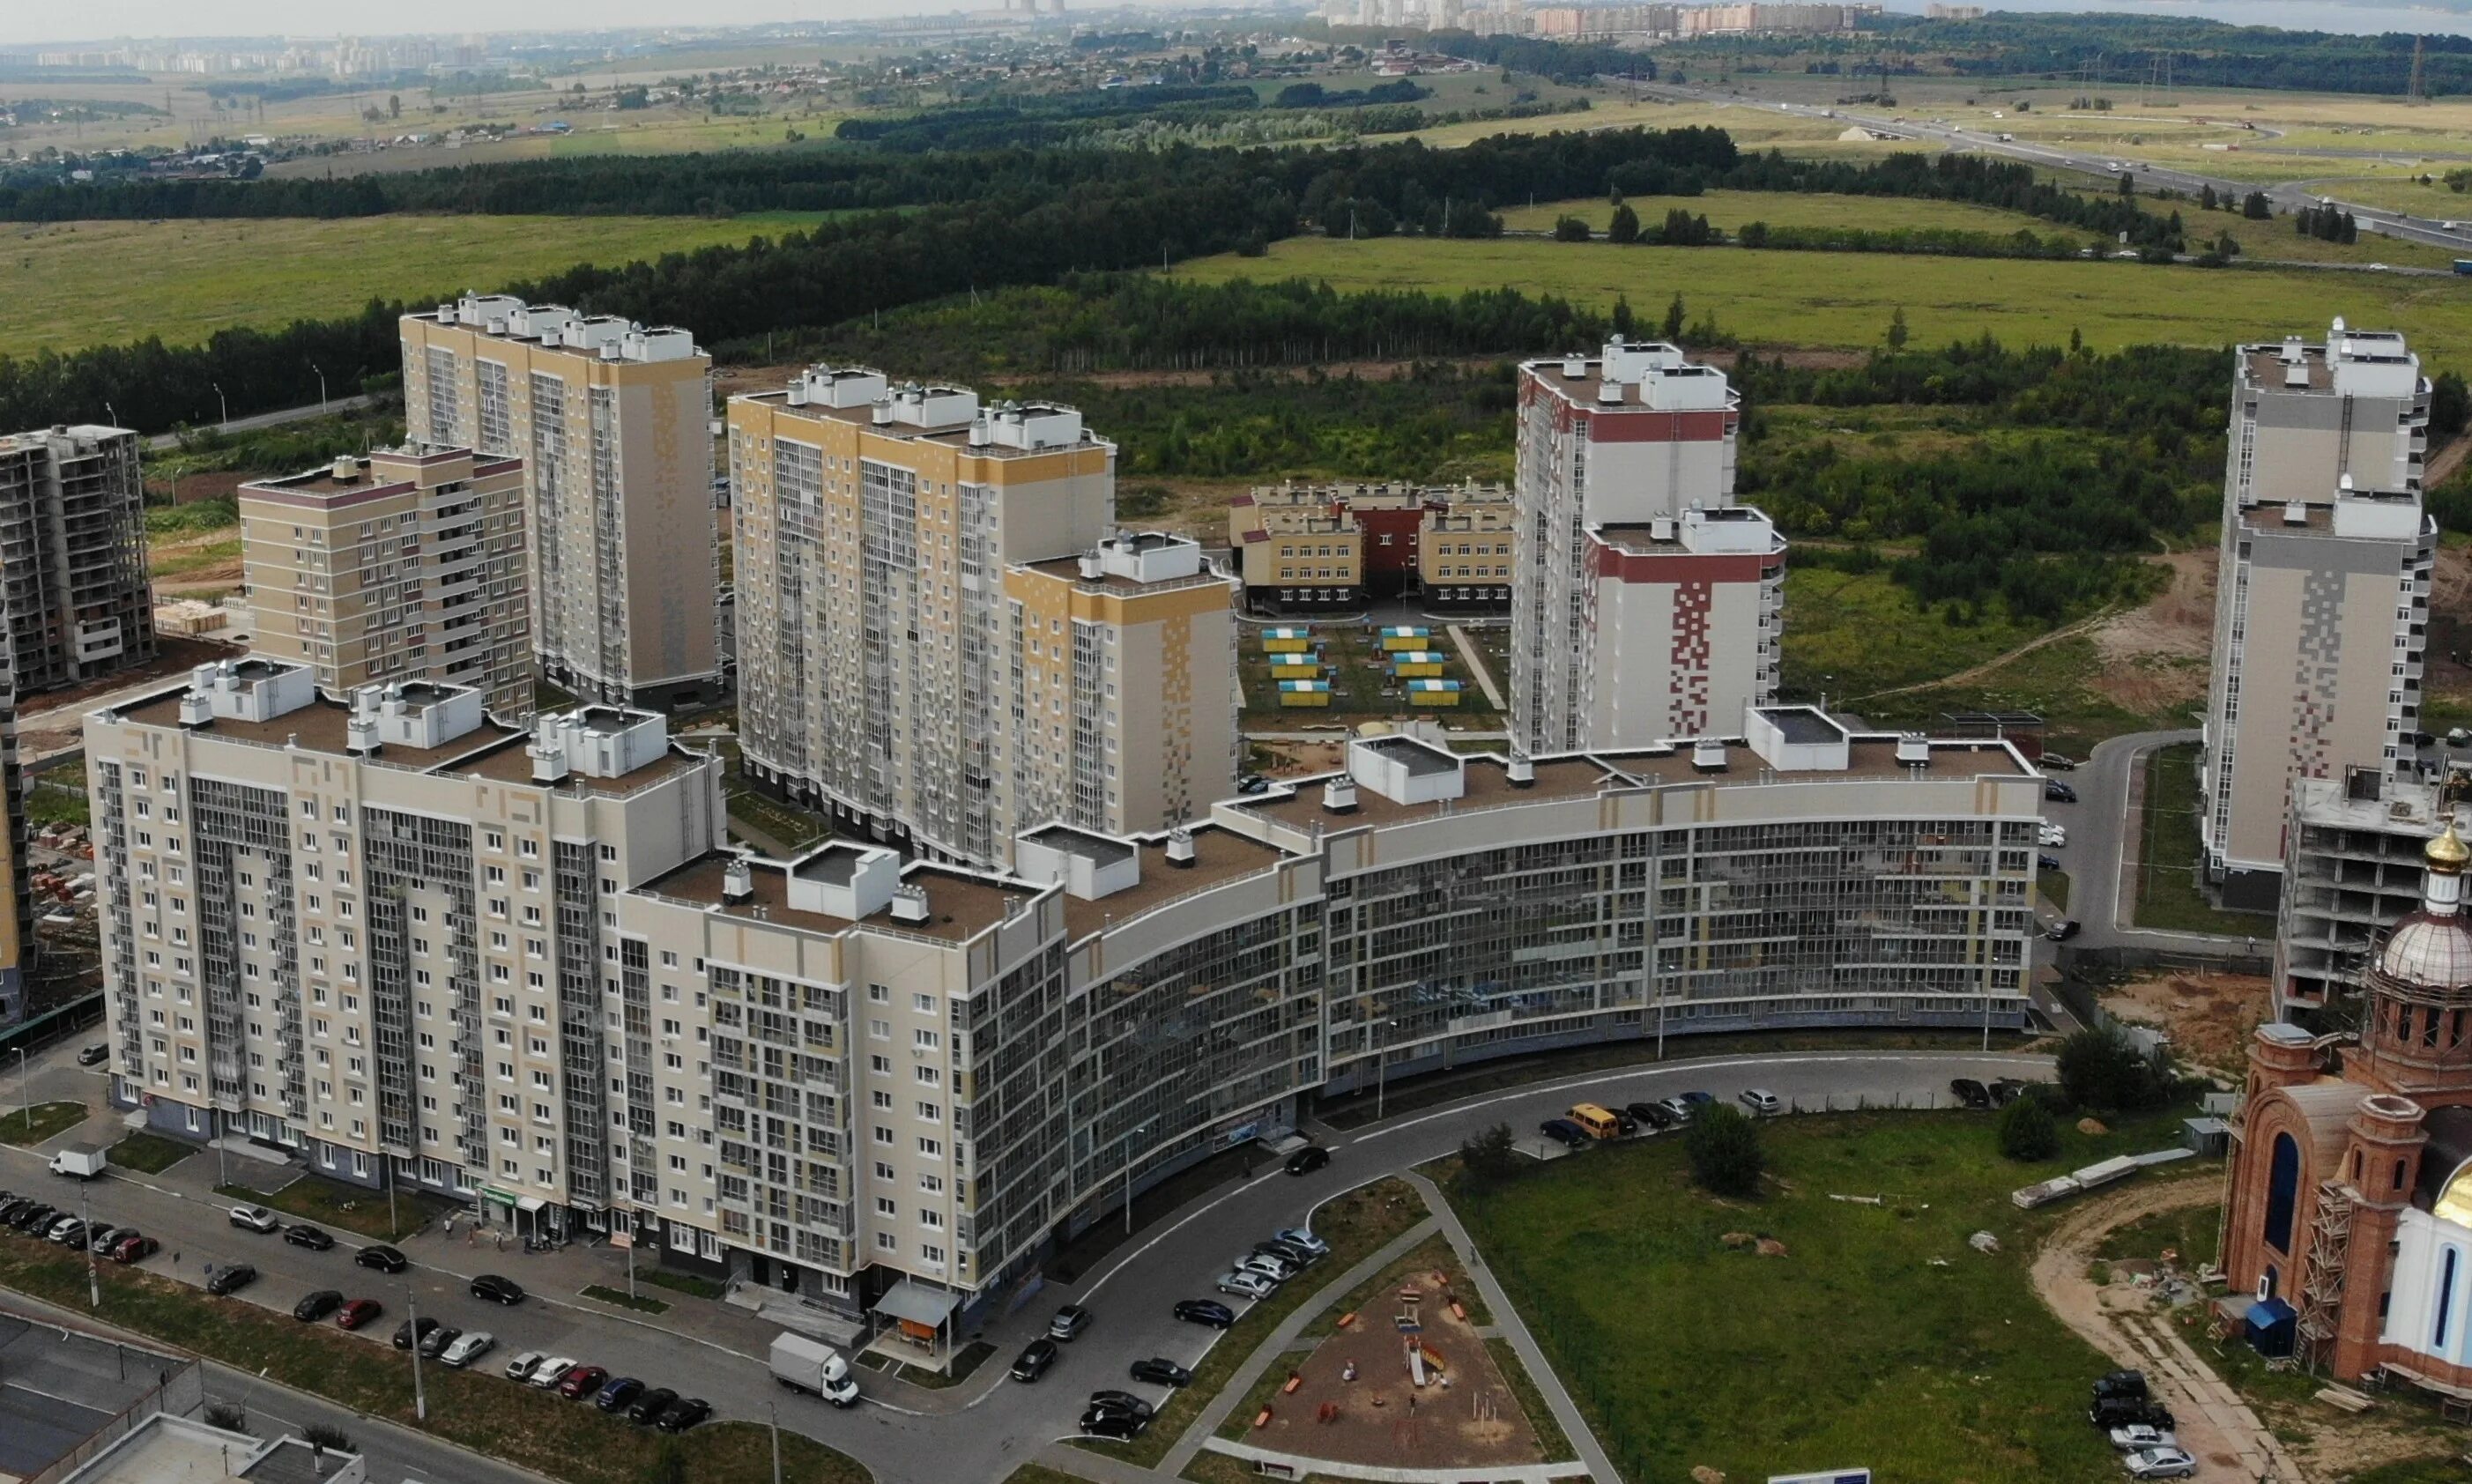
x=2005, y=1091
x=1119, y=1402
x=1209, y=1311
x=1970, y=1093
x=1035, y=1360
x=683, y=1415
x=314, y=1238
x=2059, y=792
x=1307, y=1160
x=1623, y=1122
x=618, y=1395
x=1121, y=1427
x=1161, y=1373
x=433, y=1343
x=497, y=1289
x=35, y=1218
x=1252, y=783
x=94, y=1055
x=1655, y=1116
x=10, y=1205
x=231, y=1280
x=1294, y=1256
x=2121, y=1383
x=386, y=1260
x=651, y=1404
x=405, y=1336
x=2128, y=1412
x=2063, y=932
x=1563, y=1131
x=2048, y=863
x=316, y=1305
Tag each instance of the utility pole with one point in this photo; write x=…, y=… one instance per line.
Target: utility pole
x=93, y=1280
x=772, y=1420
x=412, y=1315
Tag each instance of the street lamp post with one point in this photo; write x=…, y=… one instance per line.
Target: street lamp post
x=412, y=1315
x=393, y=1225
x=93, y=1280
x=223, y=406
x=321, y=385
x=1130, y=1135
x=772, y=1420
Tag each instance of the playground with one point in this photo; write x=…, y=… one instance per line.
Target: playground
x=1404, y=1382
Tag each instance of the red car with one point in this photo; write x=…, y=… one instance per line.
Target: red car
x=358, y=1312
x=582, y=1381
x=134, y=1249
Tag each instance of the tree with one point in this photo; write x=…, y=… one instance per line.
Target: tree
x=332, y=1439
x=1624, y=226
x=1491, y=1156
x=1724, y=1150
x=2101, y=1068
x=1897, y=329
x=1622, y=320
x=2127, y=184
x=1570, y=230
x=2256, y=207
x=1674, y=318
x=394, y=106
x=2207, y=198
x=2028, y=1131
x=2450, y=405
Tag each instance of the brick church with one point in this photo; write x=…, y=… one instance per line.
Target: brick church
x=2348, y=1209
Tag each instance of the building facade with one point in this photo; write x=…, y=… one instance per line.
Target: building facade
x=2321, y=609
x=941, y=637
x=610, y=422
x=2353, y=863
x=1614, y=450
x=17, y=945
x=73, y=555
x=2348, y=1199
x=1306, y=547
x=408, y=565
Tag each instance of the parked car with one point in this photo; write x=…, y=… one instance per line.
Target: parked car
x=2048, y=863
x=2111, y=1412
x=357, y=1312
x=2053, y=761
x=1696, y=1102
x=1969, y=1093
x=468, y=1347
x=2005, y=1091
x=497, y=1289
x=683, y=1415
x=35, y=1217
x=255, y=1218
x=1119, y=1402
x=94, y=1055
x=1035, y=1360
x=231, y=1280
x=651, y=1404
x=2063, y=931
x=2160, y=1463
x=134, y=1249
x=1252, y=783
x=68, y=1232
x=103, y=1239
x=411, y=1333
x=1161, y=1373
x=2059, y=792
x=1121, y=1427
x=1564, y=1132
x=1652, y=1116
x=2137, y=1435
x=386, y=1260
x=1307, y=1160
x=2054, y=836
x=1247, y=1286
x=1294, y=1256
x=1299, y=1236
x=618, y=1394
x=1624, y=1120
x=582, y=1381
x=1069, y=1323
x=314, y=1238
x=522, y=1367
x=549, y=1373
x=1759, y=1101
x=1677, y=1110
x=1277, y=1270
x=1209, y=1311
x=2121, y=1383
x=434, y=1344
x=316, y=1305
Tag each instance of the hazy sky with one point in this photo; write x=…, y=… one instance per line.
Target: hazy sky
x=89, y=20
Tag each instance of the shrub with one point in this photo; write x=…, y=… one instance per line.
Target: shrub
x=1724, y=1150
x=2101, y=1068
x=1570, y=230
x=2028, y=1131
x=1490, y=1157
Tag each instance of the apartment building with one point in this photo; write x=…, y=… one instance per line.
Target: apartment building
x=2355, y=863
x=1626, y=604
x=2322, y=598
x=1304, y=548
x=73, y=555
x=943, y=640
x=381, y=932
x=611, y=423
x=17, y=946
x=410, y=565
x=839, y=1076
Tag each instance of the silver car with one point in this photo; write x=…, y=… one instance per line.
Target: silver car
x=469, y=1346
x=1267, y=1265
x=1247, y=1286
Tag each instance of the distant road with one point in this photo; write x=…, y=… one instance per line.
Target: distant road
x=252, y=424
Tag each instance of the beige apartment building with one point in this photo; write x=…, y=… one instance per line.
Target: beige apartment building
x=611, y=423
x=407, y=565
x=1302, y=548
x=17, y=892
x=73, y=555
x=2322, y=602
x=942, y=638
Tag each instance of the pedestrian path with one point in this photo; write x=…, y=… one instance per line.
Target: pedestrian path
x=1476, y=666
x=1389, y=1474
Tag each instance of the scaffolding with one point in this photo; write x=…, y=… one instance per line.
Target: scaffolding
x=2321, y=1274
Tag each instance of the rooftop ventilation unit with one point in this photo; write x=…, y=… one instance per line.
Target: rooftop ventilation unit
x=1523, y=770
x=909, y=904
x=1339, y=796
x=1708, y=755
x=1179, y=848
x=347, y=469
x=1574, y=366
x=737, y=883
x=2296, y=514
x=1914, y=747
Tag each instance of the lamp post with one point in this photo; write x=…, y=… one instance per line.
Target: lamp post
x=223, y=406
x=1382, y=1069
x=412, y=1315
x=93, y=1280
x=321, y=385
x=393, y=1225
x=111, y=412
x=1130, y=1135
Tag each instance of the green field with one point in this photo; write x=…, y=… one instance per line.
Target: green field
x=1807, y=299
x=1728, y=210
x=1879, y=1337
x=87, y=283
x=1834, y=620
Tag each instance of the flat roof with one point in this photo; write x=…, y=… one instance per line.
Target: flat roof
x=958, y=907
x=1422, y=758
x=1802, y=724
x=1218, y=856
x=955, y=435
x=1488, y=784
x=1068, y=569
x=1099, y=848
x=835, y=866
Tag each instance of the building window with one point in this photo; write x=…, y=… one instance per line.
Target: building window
x=2282, y=1191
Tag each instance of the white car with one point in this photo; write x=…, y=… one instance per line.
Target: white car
x=2137, y=1436
x=256, y=1218
x=2160, y=1463
x=2377, y=268
x=1268, y=1266
x=468, y=1347
x=2055, y=835
x=522, y=1367
x=1759, y=1101
x=546, y=1374
x=1298, y=1236
x=1247, y=1286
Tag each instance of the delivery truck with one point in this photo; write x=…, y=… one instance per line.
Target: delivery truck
x=814, y=1367
x=85, y=1160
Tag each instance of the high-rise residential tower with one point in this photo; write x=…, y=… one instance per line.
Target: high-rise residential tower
x=17, y=892
x=612, y=424
x=2321, y=607
x=409, y=565
x=942, y=637
x=1643, y=606
x=73, y=555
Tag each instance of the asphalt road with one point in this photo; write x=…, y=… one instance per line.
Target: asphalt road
x=999, y=1423
x=273, y=419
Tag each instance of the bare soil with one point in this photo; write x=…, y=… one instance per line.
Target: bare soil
x=54, y=719
x=2156, y=656
x=2208, y=1016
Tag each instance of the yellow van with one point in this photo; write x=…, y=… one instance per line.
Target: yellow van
x=1599, y=1123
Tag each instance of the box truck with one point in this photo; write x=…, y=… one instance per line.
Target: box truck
x=812, y=1366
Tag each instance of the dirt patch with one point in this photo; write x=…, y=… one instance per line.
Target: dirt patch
x=2448, y=678
x=2154, y=657
x=2208, y=1016
x=190, y=488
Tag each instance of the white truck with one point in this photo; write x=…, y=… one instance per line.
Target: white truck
x=814, y=1367
x=85, y=1160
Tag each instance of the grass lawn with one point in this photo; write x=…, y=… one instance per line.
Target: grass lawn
x=87, y=283
x=43, y=1121
x=682, y=1282
x=51, y=803
x=1355, y=1225
x=2169, y=894
x=2188, y=1231
x=2055, y=887
x=351, y=1206
x=786, y=825
x=1834, y=622
x=150, y=1154
x=1833, y=1352
x=532, y=1429
x=623, y=1300
x=1805, y=299
x=2060, y=681
x=1728, y=210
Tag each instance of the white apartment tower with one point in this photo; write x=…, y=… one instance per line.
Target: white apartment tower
x=941, y=635
x=2321, y=608
x=73, y=555
x=611, y=423
x=1645, y=604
